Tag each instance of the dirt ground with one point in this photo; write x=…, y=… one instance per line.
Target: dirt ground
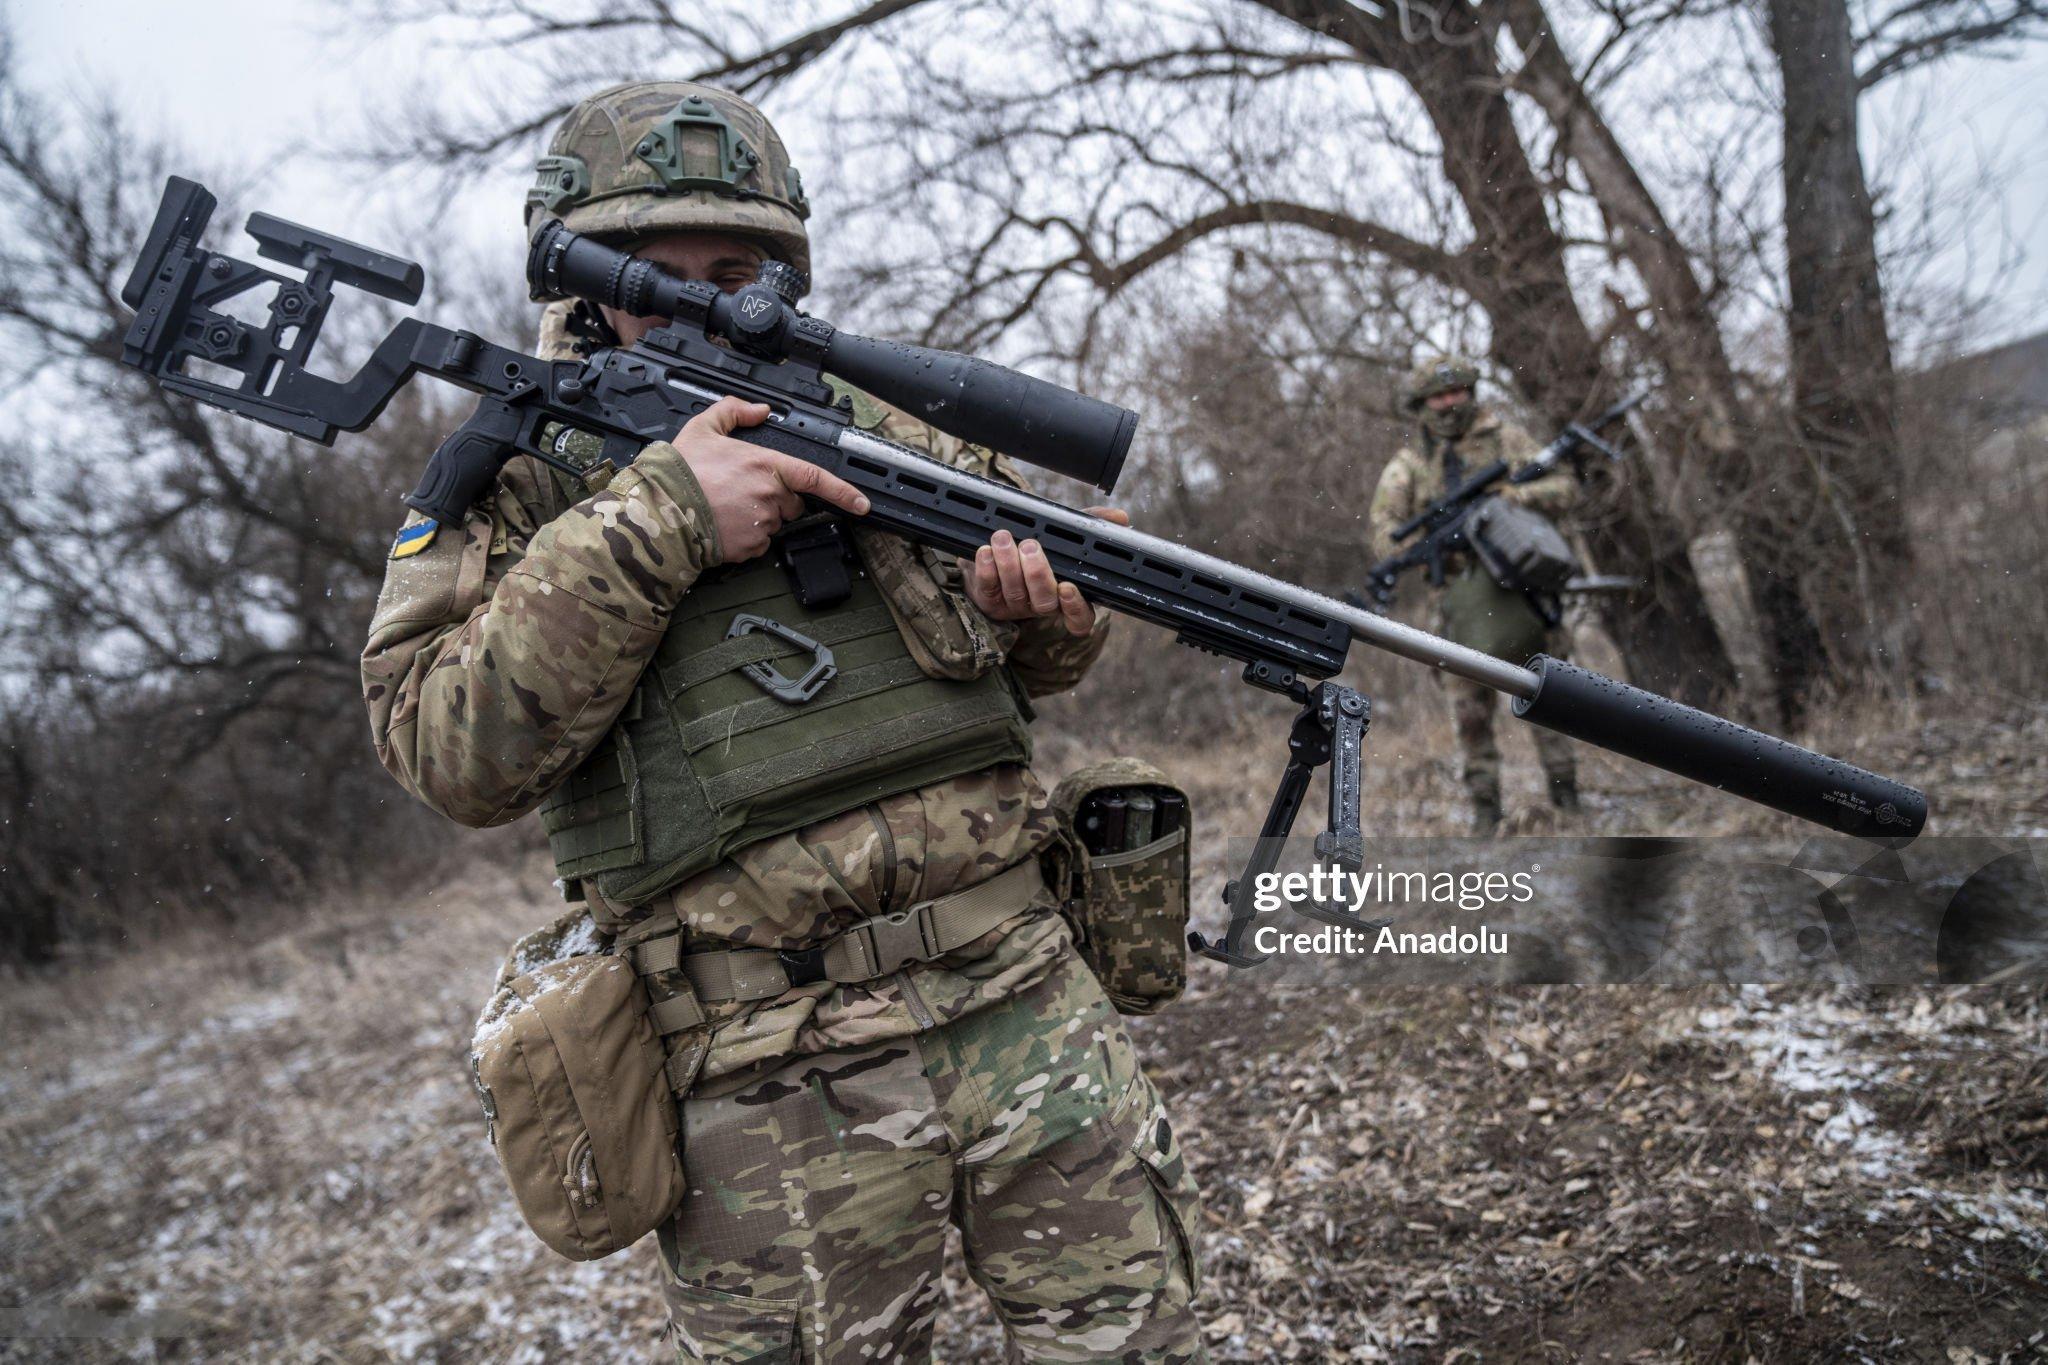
x=264, y=1147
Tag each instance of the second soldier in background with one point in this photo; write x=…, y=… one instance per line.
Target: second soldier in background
x=1457, y=436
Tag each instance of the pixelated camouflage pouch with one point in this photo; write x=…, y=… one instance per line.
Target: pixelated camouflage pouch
x=1122, y=873
x=575, y=1086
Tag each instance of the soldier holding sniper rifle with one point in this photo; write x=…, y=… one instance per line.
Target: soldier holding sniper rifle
x=712, y=631
x=1285, y=634
x=821, y=997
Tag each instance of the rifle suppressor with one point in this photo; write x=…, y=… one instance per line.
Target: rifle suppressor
x=1673, y=736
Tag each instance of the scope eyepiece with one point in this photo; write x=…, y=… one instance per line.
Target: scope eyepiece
x=565, y=264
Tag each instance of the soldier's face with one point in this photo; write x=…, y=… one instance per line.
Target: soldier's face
x=717, y=257
x=1451, y=398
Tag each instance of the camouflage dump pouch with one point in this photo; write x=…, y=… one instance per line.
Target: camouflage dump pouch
x=1122, y=873
x=575, y=1086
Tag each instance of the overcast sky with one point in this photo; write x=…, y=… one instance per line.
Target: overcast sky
x=252, y=83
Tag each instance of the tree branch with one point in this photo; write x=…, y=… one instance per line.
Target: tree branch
x=1931, y=46
x=1384, y=241
x=785, y=59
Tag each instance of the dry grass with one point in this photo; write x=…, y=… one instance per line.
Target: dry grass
x=263, y=1149
x=271, y=1150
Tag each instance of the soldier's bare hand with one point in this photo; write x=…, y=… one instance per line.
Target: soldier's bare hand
x=752, y=491
x=1012, y=580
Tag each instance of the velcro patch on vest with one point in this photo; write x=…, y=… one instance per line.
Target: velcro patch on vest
x=416, y=535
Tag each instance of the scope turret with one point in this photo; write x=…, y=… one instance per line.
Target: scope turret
x=978, y=401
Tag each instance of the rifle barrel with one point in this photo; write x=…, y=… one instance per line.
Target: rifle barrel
x=1193, y=592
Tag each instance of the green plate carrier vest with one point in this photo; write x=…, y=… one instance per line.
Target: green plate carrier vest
x=707, y=759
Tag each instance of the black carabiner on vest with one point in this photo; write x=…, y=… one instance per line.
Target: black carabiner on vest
x=795, y=691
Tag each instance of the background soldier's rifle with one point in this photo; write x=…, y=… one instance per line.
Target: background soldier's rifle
x=1444, y=525
x=1291, y=640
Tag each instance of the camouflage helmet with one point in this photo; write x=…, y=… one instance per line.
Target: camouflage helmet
x=672, y=156
x=1438, y=374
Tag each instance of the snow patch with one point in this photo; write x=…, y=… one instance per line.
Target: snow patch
x=1804, y=1047
x=499, y=1014
x=1854, y=1133
x=2020, y=1214
x=257, y=1014
x=571, y=936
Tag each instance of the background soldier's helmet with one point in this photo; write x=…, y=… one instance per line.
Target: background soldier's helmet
x=1438, y=374
x=672, y=156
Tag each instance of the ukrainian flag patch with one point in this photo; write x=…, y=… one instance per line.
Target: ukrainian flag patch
x=416, y=535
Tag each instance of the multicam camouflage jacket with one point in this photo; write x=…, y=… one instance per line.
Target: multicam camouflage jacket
x=1414, y=479
x=499, y=658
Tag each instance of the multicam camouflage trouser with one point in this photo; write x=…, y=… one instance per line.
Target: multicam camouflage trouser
x=1472, y=709
x=815, y=1223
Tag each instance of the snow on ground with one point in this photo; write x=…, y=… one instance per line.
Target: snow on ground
x=267, y=1148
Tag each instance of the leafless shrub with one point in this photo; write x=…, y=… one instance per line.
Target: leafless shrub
x=186, y=593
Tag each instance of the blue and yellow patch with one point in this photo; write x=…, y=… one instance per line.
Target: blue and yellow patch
x=416, y=535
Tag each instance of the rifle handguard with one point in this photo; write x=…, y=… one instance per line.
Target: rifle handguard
x=1675, y=737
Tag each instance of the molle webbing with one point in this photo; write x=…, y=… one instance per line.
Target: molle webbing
x=710, y=757
x=750, y=716
x=600, y=796
x=841, y=752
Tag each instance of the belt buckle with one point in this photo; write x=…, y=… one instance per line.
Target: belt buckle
x=897, y=939
x=806, y=966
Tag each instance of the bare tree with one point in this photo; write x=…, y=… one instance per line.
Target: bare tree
x=185, y=595
x=1061, y=155
x=999, y=147
x=1841, y=354
x=1844, y=392
x=1907, y=34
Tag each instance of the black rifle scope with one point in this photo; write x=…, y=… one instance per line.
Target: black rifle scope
x=982, y=403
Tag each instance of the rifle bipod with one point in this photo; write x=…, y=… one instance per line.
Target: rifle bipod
x=1330, y=729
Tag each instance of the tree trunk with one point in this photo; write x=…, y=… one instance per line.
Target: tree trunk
x=1843, y=388
x=1705, y=423
x=1665, y=632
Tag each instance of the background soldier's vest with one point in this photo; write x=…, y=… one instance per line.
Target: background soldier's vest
x=707, y=759
x=1474, y=609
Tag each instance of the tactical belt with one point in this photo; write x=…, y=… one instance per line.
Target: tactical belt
x=872, y=948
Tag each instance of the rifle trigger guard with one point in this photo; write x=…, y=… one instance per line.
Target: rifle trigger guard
x=794, y=691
